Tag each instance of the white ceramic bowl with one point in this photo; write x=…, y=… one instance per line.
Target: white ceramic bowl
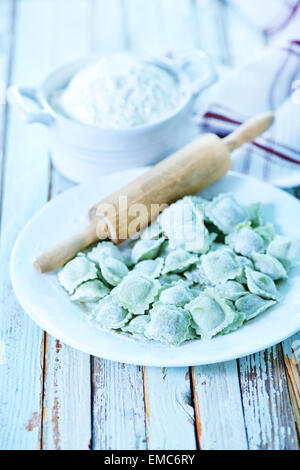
x=81, y=151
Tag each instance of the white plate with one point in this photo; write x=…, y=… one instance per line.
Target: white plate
x=49, y=306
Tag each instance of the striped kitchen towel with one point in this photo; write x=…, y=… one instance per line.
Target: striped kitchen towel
x=276, y=18
x=271, y=81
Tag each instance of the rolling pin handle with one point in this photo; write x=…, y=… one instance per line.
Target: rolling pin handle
x=65, y=251
x=248, y=131
x=188, y=171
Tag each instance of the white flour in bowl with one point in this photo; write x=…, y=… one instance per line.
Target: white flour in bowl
x=120, y=92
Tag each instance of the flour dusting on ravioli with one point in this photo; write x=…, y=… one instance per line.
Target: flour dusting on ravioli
x=75, y=272
x=202, y=269
x=169, y=324
x=136, y=293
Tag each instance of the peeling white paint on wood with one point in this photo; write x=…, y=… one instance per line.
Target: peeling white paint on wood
x=117, y=402
x=67, y=378
x=170, y=419
x=158, y=27
x=268, y=413
x=219, y=412
x=291, y=356
x=118, y=406
x=67, y=398
x=48, y=34
x=24, y=192
x=67, y=384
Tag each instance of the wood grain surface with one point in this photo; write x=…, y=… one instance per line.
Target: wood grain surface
x=52, y=396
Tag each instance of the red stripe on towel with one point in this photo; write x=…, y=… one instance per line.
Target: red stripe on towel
x=211, y=115
x=275, y=29
x=277, y=154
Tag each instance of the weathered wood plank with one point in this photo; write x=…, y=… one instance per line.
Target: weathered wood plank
x=178, y=26
x=158, y=27
x=118, y=406
x=118, y=415
x=143, y=26
x=67, y=383
x=245, y=41
x=67, y=379
x=291, y=356
x=73, y=34
x=6, y=49
x=67, y=398
x=24, y=192
x=169, y=409
x=218, y=407
x=211, y=35
x=161, y=386
x=105, y=16
x=267, y=409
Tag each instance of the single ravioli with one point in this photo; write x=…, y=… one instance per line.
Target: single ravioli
x=231, y=290
x=168, y=280
x=77, y=271
x=221, y=265
x=200, y=201
x=136, y=293
x=238, y=321
x=226, y=213
x=185, y=211
x=196, y=240
x=165, y=250
x=178, y=295
x=183, y=224
x=196, y=291
x=244, y=263
x=261, y=284
x=252, y=305
x=178, y=261
x=146, y=249
x=245, y=241
x=169, y=324
x=107, y=250
x=110, y=315
x=112, y=270
x=137, y=325
x=269, y=265
x=90, y=291
x=266, y=231
x=196, y=275
x=149, y=268
x=254, y=214
x=153, y=231
x=211, y=313
x=284, y=249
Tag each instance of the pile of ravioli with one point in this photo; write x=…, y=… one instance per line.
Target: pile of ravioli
x=202, y=269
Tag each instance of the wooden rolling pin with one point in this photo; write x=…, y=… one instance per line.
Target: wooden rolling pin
x=187, y=171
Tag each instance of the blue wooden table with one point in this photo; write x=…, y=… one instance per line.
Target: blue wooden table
x=52, y=396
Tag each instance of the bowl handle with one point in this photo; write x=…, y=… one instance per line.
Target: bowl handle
x=199, y=68
x=16, y=97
